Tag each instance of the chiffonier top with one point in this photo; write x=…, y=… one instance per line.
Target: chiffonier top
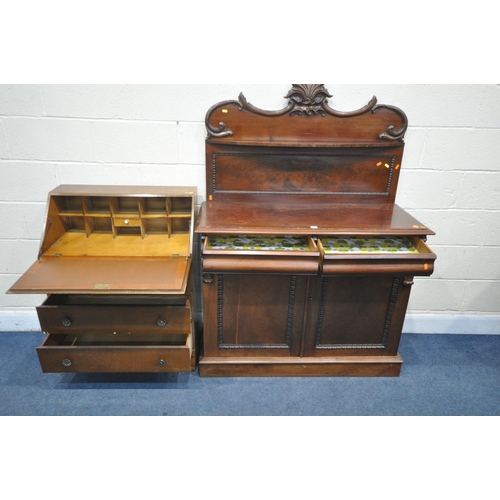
x=320, y=218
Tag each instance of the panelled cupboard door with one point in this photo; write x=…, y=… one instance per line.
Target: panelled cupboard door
x=305, y=316
x=253, y=315
x=355, y=315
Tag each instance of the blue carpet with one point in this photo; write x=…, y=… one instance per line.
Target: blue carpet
x=442, y=375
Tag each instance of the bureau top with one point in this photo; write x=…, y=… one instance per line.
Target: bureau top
x=133, y=191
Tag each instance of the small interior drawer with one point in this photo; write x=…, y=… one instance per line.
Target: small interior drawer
x=81, y=314
x=126, y=222
x=100, y=353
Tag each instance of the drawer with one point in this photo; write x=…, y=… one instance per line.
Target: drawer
x=276, y=254
x=81, y=314
x=96, y=353
x=376, y=255
x=126, y=222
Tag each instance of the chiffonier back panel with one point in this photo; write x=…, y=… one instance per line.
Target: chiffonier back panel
x=306, y=152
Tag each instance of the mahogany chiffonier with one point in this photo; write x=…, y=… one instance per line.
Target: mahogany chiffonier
x=115, y=263
x=307, y=262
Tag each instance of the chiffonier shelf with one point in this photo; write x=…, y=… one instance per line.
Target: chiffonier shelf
x=115, y=263
x=307, y=262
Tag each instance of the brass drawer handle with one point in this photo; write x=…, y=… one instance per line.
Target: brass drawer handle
x=66, y=362
x=66, y=322
x=126, y=221
x=161, y=322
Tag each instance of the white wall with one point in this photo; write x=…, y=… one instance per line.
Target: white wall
x=154, y=134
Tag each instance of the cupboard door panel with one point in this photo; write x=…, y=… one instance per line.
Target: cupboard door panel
x=250, y=315
x=356, y=315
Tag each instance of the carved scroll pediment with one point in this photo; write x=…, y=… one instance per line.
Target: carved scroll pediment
x=307, y=100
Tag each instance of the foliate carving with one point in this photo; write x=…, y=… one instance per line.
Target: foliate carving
x=208, y=278
x=408, y=281
x=308, y=99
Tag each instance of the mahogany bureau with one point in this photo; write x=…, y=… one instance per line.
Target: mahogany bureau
x=307, y=262
x=115, y=262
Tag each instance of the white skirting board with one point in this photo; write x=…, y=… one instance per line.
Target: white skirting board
x=19, y=321
x=27, y=321
x=473, y=324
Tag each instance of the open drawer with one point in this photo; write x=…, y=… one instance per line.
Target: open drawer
x=116, y=333
x=254, y=253
x=91, y=353
x=114, y=314
x=376, y=255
